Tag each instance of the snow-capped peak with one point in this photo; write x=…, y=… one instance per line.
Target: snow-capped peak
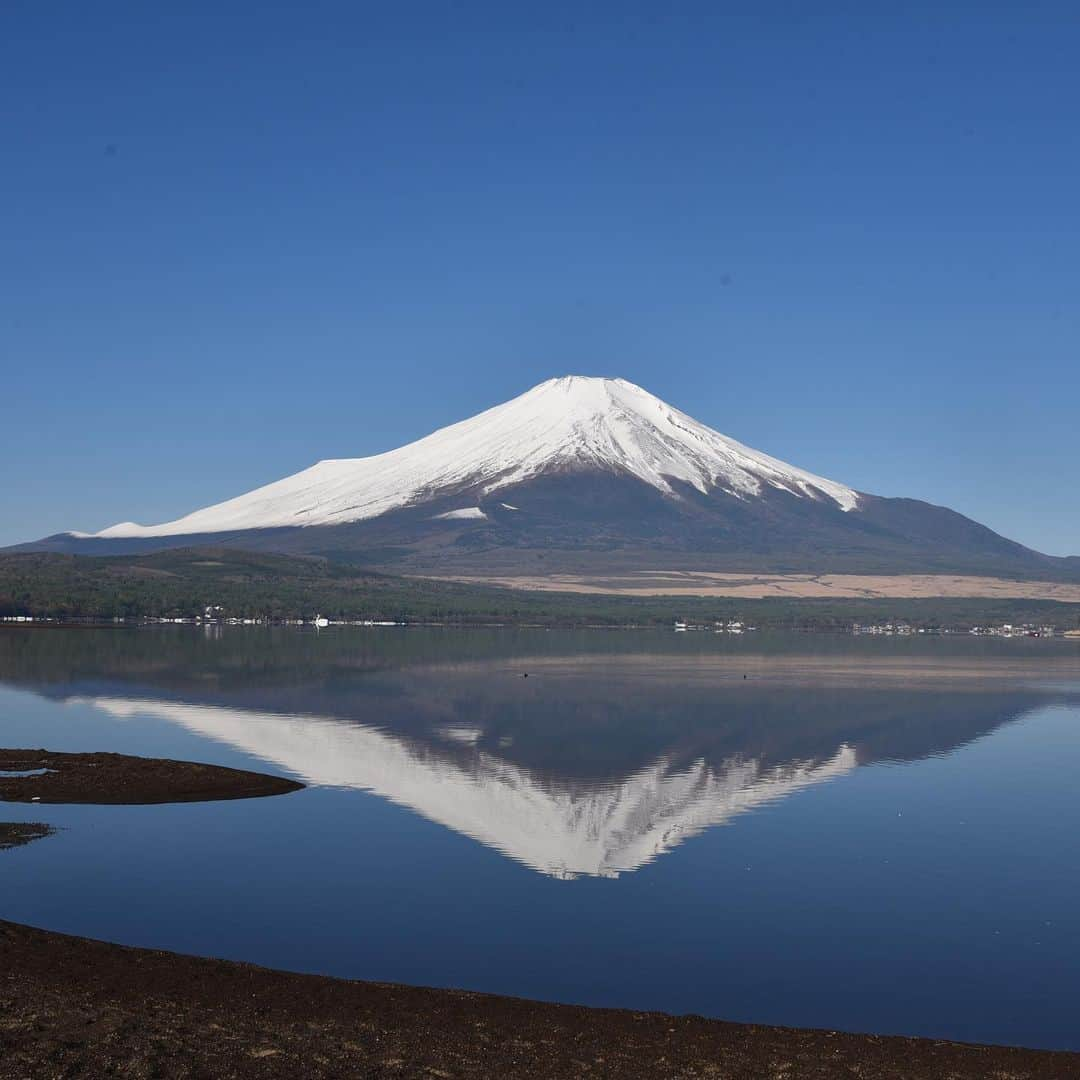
x=573, y=422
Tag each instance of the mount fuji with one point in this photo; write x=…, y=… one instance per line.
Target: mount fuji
x=582, y=473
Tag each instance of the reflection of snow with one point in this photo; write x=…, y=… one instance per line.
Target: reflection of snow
x=558, y=828
x=469, y=736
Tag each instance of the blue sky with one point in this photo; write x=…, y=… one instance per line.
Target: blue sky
x=238, y=238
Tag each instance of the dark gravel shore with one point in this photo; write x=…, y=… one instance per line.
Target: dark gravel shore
x=118, y=778
x=73, y=1007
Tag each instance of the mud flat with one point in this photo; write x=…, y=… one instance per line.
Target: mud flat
x=48, y=777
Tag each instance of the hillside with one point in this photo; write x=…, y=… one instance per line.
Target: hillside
x=182, y=583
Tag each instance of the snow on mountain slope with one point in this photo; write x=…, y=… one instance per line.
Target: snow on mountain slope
x=563, y=424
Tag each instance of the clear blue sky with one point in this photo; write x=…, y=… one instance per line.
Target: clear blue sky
x=237, y=238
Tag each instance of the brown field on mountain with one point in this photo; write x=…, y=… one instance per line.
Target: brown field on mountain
x=790, y=586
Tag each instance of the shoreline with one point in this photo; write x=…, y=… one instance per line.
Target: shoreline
x=75, y=1006
x=215, y=585
x=900, y=630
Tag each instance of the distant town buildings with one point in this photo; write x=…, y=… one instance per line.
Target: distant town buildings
x=1006, y=630
x=1009, y=630
x=718, y=627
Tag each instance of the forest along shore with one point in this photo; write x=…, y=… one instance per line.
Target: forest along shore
x=228, y=585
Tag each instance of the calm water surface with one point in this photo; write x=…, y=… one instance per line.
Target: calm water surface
x=846, y=833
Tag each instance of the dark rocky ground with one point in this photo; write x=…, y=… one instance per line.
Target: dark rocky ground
x=70, y=1007
x=117, y=778
x=14, y=833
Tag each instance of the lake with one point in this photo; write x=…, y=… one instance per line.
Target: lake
x=872, y=834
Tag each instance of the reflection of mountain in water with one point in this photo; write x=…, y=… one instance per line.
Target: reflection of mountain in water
x=601, y=760
x=563, y=829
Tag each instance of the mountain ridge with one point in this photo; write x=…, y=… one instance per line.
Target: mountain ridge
x=582, y=473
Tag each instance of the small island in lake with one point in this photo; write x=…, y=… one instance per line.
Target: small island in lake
x=46, y=776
